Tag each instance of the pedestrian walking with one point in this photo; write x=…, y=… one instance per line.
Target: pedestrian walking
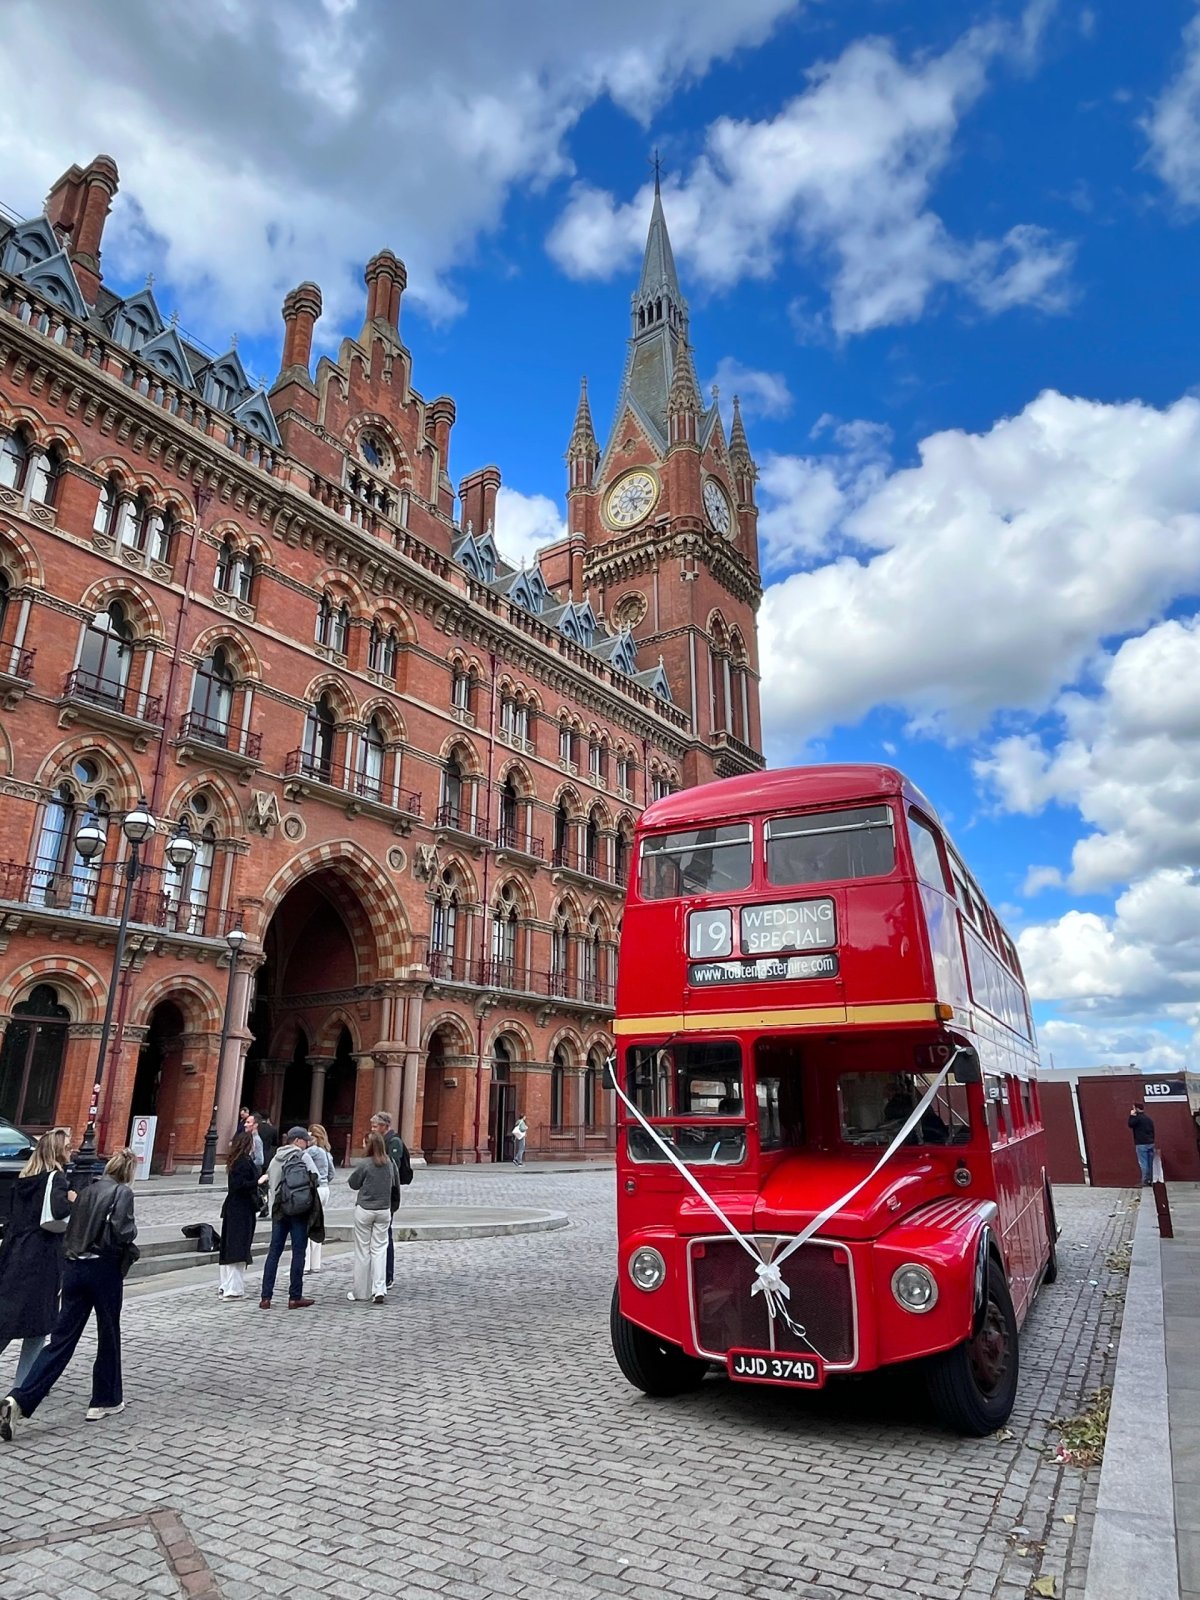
x=519, y=1134
x=377, y=1183
x=238, y=1216
x=291, y=1183
x=323, y=1156
x=31, y=1256
x=381, y=1123
x=1142, y=1129
x=99, y=1249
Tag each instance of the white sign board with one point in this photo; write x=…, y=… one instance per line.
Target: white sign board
x=141, y=1142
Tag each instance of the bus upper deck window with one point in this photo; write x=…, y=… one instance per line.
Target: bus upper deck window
x=926, y=856
x=701, y=861
x=828, y=845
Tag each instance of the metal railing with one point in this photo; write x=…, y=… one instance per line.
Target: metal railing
x=98, y=893
x=110, y=694
x=517, y=978
x=588, y=865
x=200, y=729
x=348, y=780
x=16, y=661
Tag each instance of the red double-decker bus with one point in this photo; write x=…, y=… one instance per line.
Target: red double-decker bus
x=831, y=1157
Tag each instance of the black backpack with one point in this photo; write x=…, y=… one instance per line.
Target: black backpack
x=295, y=1188
x=403, y=1165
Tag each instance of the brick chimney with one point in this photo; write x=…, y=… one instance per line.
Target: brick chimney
x=77, y=208
x=387, y=279
x=301, y=308
x=477, y=498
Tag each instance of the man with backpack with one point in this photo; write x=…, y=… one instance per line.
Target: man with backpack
x=381, y=1123
x=295, y=1209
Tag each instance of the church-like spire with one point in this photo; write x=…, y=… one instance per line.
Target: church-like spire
x=684, y=405
x=659, y=300
x=582, y=452
x=744, y=470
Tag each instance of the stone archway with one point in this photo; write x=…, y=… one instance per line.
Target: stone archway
x=323, y=960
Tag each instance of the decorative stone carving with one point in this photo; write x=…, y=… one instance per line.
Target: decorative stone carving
x=263, y=811
x=426, y=862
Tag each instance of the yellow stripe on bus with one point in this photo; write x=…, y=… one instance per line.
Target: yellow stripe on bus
x=792, y=1016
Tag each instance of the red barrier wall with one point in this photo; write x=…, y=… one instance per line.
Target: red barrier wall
x=1064, y=1158
x=1104, y=1106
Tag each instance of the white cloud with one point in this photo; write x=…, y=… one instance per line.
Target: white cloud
x=762, y=394
x=1173, y=126
x=998, y=565
x=261, y=145
x=1039, y=878
x=1145, y=955
x=846, y=170
x=524, y=523
x=804, y=500
x=1127, y=758
x=1067, y=1045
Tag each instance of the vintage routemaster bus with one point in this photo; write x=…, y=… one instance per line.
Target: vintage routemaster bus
x=831, y=1157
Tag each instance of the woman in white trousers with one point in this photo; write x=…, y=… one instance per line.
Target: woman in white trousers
x=377, y=1184
x=321, y=1153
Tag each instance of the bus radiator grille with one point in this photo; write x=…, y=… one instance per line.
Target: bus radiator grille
x=727, y=1317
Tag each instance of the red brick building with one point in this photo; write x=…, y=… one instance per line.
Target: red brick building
x=410, y=771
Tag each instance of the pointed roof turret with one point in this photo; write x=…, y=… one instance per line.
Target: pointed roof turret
x=685, y=391
x=739, y=446
x=583, y=444
x=659, y=284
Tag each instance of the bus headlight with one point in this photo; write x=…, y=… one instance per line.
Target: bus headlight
x=647, y=1268
x=914, y=1287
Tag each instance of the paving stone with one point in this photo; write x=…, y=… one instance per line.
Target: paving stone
x=474, y=1440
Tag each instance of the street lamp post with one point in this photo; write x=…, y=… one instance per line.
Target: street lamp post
x=235, y=939
x=138, y=825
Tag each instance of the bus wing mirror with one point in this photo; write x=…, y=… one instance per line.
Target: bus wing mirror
x=966, y=1066
x=610, y=1072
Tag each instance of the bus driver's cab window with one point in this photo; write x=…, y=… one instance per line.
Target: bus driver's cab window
x=874, y=1106
x=680, y=1086
x=779, y=1090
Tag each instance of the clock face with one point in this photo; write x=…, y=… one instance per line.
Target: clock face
x=631, y=498
x=717, y=507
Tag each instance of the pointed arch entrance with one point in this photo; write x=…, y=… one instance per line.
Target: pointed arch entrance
x=333, y=934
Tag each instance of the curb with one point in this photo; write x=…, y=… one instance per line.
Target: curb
x=1134, y=1548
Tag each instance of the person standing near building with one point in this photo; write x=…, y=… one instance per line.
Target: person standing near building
x=31, y=1256
x=319, y=1150
x=519, y=1135
x=377, y=1183
x=238, y=1216
x=99, y=1248
x=291, y=1182
x=1142, y=1129
x=381, y=1123
x=269, y=1134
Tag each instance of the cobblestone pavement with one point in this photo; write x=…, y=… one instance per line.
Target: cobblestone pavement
x=473, y=1438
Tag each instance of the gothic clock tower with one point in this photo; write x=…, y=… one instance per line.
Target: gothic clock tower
x=665, y=526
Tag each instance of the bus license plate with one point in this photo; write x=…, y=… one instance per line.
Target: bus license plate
x=768, y=1366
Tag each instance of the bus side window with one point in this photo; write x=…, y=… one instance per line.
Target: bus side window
x=1027, y=1103
x=926, y=856
x=997, y=1109
x=778, y=1065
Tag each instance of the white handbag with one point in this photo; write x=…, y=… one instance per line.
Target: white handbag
x=49, y=1221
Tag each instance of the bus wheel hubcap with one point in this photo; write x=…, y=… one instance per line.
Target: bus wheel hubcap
x=989, y=1350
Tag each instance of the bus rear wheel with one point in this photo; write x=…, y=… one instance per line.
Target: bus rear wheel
x=1051, y=1272
x=973, y=1386
x=651, y=1364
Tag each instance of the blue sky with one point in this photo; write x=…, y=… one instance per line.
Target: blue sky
x=945, y=252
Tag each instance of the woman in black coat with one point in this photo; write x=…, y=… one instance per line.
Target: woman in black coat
x=31, y=1255
x=238, y=1216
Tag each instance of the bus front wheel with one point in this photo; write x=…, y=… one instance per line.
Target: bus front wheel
x=650, y=1363
x=973, y=1386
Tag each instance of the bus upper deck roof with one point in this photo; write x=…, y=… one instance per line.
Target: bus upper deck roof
x=784, y=789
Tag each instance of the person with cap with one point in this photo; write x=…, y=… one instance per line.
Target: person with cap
x=296, y=1215
x=1142, y=1129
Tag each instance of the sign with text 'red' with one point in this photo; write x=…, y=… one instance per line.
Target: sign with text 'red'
x=141, y=1142
x=1153, y=1093
x=787, y=925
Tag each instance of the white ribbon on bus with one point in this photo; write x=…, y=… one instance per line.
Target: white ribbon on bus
x=768, y=1279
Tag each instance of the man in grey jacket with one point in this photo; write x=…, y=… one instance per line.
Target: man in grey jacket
x=295, y=1209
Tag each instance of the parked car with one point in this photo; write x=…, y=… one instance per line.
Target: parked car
x=15, y=1148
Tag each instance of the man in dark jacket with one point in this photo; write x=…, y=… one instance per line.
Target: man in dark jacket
x=1143, y=1141
x=381, y=1123
x=291, y=1184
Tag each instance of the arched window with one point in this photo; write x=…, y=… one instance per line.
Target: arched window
x=453, y=811
x=333, y=624
x=212, y=699
x=31, y=1059
x=558, y=1090
x=5, y=602
x=505, y=918
x=61, y=876
x=443, y=924
x=159, y=534
x=591, y=1097
x=621, y=850
x=562, y=836
x=188, y=890
x=105, y=655
x=560, y=956
x=320, y=725
x=589, y=961
x=510, y=837
x=382, y=651
x=235, y=571
x=107, y=506
x=370, y=761
x=462, y=685
x=45, y=469
x=591, y=845
x=14, y=459
x=245, y=569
